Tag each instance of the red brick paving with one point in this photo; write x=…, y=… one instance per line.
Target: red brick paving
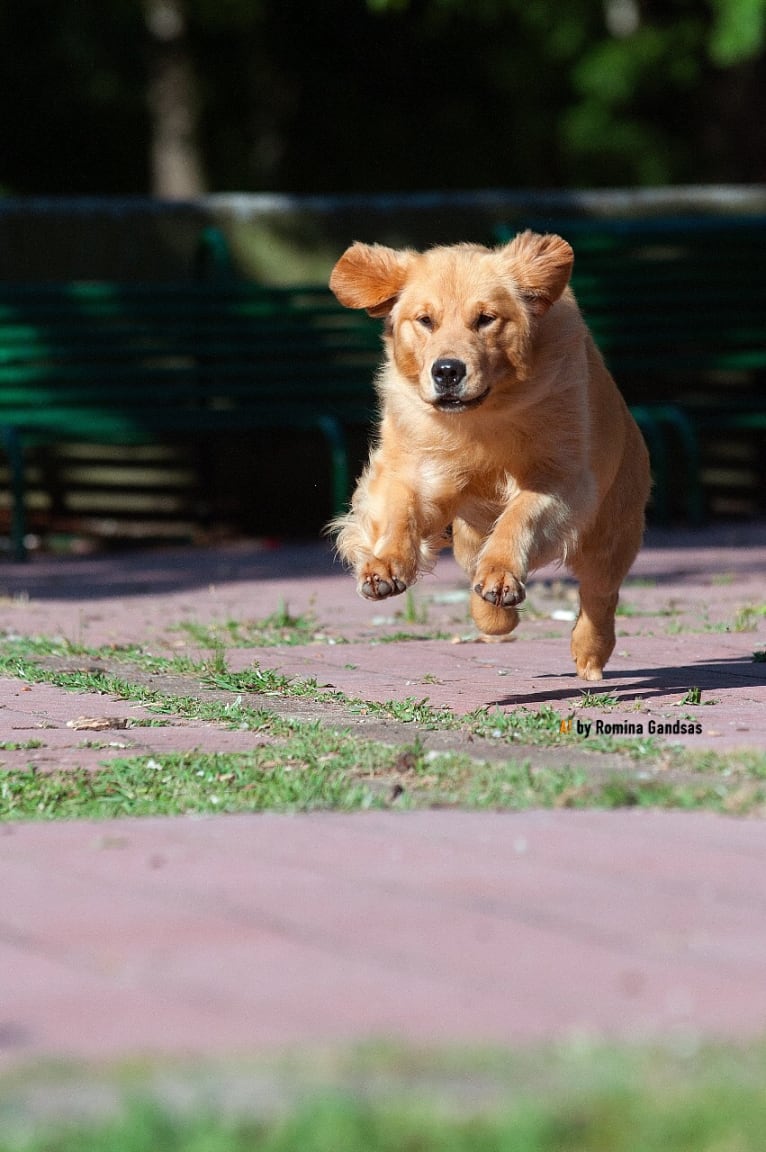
x=250, y=933
x=240, y=934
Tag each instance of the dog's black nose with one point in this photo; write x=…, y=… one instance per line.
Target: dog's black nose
x=447, y=374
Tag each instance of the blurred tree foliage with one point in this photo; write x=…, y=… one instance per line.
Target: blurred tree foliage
x=380, y=95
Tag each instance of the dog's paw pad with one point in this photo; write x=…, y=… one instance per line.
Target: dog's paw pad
x=503, y=590
x=375, y=587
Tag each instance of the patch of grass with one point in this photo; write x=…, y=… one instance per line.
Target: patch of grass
x=409, y=711
x=414, y=612
x=318, y=768
x=545, y=728
x=516, y=787
x=311, y=771
x=621, y=792
x=520, y=786
x=303, y=764
x=300, y=775
x=254, y=679
x=279, y=629
x=700, y=624
x=747, y=618
x=737, y=764
x=538, y=728
x=692, y=697
x=722, y=579
x=234, y=713
x=650, y=1101
x=519, y=725
x=632, y=611
x=590, y=699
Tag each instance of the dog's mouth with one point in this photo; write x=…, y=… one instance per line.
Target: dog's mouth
x=459, y=403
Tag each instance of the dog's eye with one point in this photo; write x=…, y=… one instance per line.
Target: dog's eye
x=426, y=321
x=484, y=319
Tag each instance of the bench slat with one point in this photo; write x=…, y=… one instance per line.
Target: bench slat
x=133, y=363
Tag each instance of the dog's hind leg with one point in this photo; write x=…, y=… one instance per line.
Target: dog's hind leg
x=593, y=637
x=606, y=553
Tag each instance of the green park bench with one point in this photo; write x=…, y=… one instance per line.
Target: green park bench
x=677, y=305
x=124, y=363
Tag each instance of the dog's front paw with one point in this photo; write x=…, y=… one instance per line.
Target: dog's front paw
x=500, y=588
x=378, y=580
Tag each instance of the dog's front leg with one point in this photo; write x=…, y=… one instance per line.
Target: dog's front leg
x=531, y=531
x=391, y=534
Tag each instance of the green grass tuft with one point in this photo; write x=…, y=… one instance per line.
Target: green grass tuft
x=688, y=1113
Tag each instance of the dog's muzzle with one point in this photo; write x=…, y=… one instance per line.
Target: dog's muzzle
x=449, y=376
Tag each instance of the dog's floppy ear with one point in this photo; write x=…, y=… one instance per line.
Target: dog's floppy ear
x=370, y=276
x=541, y=267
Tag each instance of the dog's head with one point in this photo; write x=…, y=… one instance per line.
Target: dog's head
x=460, y=319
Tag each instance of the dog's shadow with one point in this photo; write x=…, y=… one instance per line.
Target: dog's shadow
x=649, y=683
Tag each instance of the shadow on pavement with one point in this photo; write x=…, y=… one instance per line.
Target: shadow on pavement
x=645, y=683
x=668, y=555
x=162, y=571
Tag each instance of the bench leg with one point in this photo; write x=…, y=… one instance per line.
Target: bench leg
x=644, y=417
x=14, y=450
x=673, y=415
x=654, y=420
x=333, y=433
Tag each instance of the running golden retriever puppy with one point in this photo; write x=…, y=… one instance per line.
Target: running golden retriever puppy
x=499, y=418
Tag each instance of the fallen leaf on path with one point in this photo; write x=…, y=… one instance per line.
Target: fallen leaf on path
x=97, y=723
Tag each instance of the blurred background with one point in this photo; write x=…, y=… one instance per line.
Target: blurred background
x=293, y=127
x=182, y=97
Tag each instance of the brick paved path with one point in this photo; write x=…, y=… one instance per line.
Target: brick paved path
x=244, y=933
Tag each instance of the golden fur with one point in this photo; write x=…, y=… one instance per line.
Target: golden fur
x=499, y=418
